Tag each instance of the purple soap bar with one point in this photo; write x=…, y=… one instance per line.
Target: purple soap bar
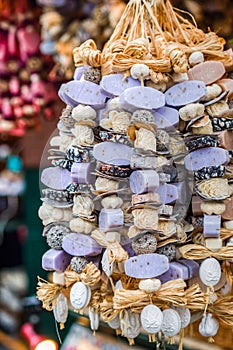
x=181, y=191
x=208, y=72
x=206, y=157
x=186, y=92
x=112, y=153
x=192, y=265
x=79, y=244
x=64, y=97
x=146, y=265
x=141, y=97
x=212, y=225
x=96, y=260
x=166, y=117
x=115, y=84
x=79, y=72
x=175, y=271
x=110, y=218
x=168, y=193
x=56, y=178
x=142, y=181
x=85, y=92
x=81, y=173
x=55, y=260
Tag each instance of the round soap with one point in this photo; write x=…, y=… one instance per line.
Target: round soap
x=210, y=272
x=80, y=295
x=151, y=319
x=171, y=323
x=61, y=309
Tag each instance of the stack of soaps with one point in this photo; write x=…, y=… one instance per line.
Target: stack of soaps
x=136, y=204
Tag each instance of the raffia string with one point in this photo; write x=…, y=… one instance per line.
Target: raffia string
x=223, y=309
x=114, y=249
x=158, y=36
x=108, y=313
x=227, y=268
x=197, y=252
x=170, y=292
x=89, y=276
x=195, y=297
x=48, y=293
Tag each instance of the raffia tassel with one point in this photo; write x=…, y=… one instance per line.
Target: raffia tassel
x=211, y=340
x=171, y=340
x=199, y=252
x=114, y=249
x=152, y=338
x=48, y=293
x=131, y=341
x=90, y=275
x=181, y=339
x=118, y=331
x=61, y=325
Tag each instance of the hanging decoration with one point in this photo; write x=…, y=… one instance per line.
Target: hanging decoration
x=140, y=182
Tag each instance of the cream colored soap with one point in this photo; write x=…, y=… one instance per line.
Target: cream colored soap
x=213, y=244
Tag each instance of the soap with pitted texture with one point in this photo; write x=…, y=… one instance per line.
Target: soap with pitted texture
x=141, y=97
x=186, y=92
x=79, y=244
x=146, y=265
x=116, y=84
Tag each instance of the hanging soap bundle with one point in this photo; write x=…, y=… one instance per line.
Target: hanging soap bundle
x=137, y=201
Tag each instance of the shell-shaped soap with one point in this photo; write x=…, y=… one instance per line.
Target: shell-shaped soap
x=208, y=326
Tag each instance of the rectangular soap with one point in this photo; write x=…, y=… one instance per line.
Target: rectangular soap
x=228, y=213
x=145, y=197
x=175, y=271
x=212, y=225
x=79, y=244
x=55, y=260
x=192, y=265
x=110, y=218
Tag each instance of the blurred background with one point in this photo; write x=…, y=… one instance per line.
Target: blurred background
x=36, y=42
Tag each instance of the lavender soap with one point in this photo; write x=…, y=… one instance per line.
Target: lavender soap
x=186, y=92
x=115, y=84
x=146, y=265
x=79, y=244
x=141, y=97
